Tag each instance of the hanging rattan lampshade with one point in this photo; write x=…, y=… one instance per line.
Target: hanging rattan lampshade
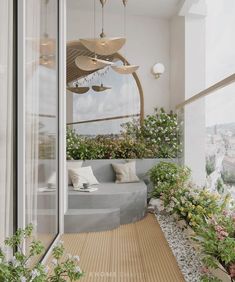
x=125, y=69
x=104, y=46
x=78, y=89
x=100, y=88
x=89, y=64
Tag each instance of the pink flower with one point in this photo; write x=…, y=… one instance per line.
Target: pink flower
x=232, y=270
x=221, y=233
x=225, y=213
x=205, y=269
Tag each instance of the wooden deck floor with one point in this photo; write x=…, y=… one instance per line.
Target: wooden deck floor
x=135, y=252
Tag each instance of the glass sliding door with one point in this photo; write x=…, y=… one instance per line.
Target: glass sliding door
x=6, y=118
x=41, y=118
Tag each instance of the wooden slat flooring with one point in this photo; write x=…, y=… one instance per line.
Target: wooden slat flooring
x=135, y=252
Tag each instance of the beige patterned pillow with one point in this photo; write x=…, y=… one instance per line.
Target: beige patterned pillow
x=125, y=173
x=72, y=165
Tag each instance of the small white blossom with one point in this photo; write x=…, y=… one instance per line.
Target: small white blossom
x=35, y=273
x=54, y=262
x=78, y=269
x=23, y=279
x=77, y=258
x=46, y=269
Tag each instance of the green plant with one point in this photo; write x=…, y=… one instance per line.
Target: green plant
x=210, y=164
x=159, y=131
x=21, y=269
x=220, y=186
x=157, y=137
x=217, y=238
x=228, y=177
x=167, y=175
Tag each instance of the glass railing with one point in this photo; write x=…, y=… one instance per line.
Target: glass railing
x=208, y=138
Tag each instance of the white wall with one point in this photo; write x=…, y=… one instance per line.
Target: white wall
x=177, y=56
x=148, y=43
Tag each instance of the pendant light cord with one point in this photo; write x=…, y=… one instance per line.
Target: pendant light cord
x=125, y=34
x=102, y=34
x=46, y=12
x=95, y=26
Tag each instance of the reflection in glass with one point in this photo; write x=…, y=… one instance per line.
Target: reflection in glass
x=6, y=118
x=220, y=140
x=41, y=127
x=209, y=138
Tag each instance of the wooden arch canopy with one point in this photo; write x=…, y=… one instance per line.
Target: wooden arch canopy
x=73, y=73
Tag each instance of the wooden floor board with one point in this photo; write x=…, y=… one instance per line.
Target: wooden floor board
x=135, y=252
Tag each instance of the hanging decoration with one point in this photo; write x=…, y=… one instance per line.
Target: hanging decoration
x=78, y=89
x=104, y=45
x=91, y=63
x=47, y=44
x=125, y=68
x=100, y=88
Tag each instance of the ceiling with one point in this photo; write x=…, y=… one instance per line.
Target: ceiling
x=153, y=8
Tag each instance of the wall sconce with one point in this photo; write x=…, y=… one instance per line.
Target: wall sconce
x=158, y=69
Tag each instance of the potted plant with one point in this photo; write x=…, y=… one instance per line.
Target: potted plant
x=21, y=269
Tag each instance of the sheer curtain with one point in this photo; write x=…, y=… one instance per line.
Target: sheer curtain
x=32, y=108
x=6, y=125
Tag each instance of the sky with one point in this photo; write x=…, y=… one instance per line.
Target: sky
x=220, y=60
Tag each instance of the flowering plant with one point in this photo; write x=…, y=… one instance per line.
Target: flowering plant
x=193, y=204
x=217, y=238
x=157, y=137
x=20, y=267
x=159, y=131
x=167, y=176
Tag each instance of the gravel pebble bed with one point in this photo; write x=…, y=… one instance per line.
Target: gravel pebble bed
x=188, y=260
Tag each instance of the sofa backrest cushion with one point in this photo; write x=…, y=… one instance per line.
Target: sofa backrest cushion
x=104, y=172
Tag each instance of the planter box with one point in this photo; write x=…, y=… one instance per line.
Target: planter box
x=221, y=274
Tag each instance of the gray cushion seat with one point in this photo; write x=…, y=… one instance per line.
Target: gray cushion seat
x=108, y=207
x=130, y=198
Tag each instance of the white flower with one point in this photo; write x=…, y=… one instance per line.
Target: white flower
x=35, y=273
x=78, y=269
x=23, y=279
x=54, y=262
x=46, y=269
x=77, y=258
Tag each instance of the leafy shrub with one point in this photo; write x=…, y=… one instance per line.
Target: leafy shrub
x=159, y=131
x=228, y=177
x=104, y=147
x=217, y=238
x=210, y=215
x=20, y=268
x=167, y=175
x=193, y=204
x=220, y=186
x=156, y=138
x=210, y=164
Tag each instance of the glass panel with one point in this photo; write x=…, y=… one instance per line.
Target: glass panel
x=220, y=41
x=121, y=99
x=6, y=117
x=220, y=140
x=209, y=140
x=41, y=109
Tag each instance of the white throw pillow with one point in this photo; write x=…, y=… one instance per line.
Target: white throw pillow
x=82, y=175
x=125, y=173
x=72, y=165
